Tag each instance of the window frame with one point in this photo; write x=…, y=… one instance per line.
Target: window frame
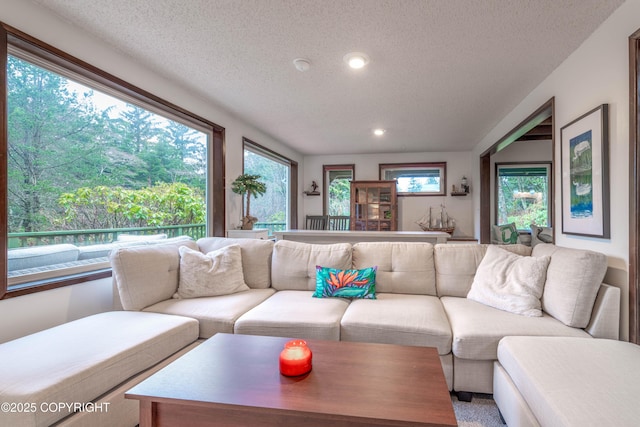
x=521, y=165
x=441, y=166
x=99, y=79
x=292, y=214
x=326, y=169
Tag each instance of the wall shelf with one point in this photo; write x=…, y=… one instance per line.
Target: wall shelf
x=312, y=193
x=458, y=193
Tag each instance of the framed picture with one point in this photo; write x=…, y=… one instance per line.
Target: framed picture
x=416, y=179
x=585, y=174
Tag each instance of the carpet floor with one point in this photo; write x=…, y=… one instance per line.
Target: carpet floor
x=480, y=412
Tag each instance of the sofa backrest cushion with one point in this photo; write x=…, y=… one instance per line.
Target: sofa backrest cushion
x=294, y=263
x=146, y=275
x=403, y=267
x=573, y=279
x=256, y=258
x=456, y=265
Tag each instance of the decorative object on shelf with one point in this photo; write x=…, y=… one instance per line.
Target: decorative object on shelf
x=464, y=185
x=295, y=358
x=434, y=221
x=249, y=185
x=455, y=191
x=314, y=189
x=585, y=174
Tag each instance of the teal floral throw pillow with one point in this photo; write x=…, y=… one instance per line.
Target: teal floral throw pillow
x=331, y=282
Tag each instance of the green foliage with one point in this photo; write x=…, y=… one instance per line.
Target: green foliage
x=272, y=205
x=61, y=143
x=54, y=138
x=414, y=185
x=339, y=197
x=248, y=185
x=522, y=211
x=115, y=207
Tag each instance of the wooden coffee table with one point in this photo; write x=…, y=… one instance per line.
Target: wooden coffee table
x=234, y=380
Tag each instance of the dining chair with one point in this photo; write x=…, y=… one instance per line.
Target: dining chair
x=317, y=222
x=339, y=222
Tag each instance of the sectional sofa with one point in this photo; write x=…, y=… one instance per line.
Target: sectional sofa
x=421, y=299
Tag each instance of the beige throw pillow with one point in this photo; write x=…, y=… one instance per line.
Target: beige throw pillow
x=216, y=273
x=573, y=280
x=510, y=282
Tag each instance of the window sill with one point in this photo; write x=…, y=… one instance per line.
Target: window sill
x=22, y=282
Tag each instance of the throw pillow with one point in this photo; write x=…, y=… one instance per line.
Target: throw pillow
x=573, y=280
x=216, y=273
x=541, y=235
x=510, y=282
x=506, y=234
x=332, y=282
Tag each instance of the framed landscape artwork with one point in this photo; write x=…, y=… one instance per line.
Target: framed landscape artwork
x=585, y=174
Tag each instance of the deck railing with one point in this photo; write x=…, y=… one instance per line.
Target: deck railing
x=95, y=237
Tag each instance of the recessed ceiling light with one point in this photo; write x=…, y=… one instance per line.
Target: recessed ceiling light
x=379, y=132
x=356, y=59
x=302, y=64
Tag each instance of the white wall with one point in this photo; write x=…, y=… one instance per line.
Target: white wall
x=596, y=73
x=410, y=209
x=44, y=309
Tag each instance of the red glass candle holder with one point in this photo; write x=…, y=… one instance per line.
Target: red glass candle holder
x=295, y=358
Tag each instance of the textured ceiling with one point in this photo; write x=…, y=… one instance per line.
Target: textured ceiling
x=442, y=72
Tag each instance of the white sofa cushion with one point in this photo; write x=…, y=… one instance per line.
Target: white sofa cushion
x=398, y=319
x=403, y=267
x=456, y=265
x=573, y=279
x=105, y=249
x=294, y=314
x=146, y=275
x=216, y=273
x=256, y=258
x=294, y=263
x=215, y=314
x=80, y=360
x=478, y=328
x=510, y=282
x=574, y=381
x=141, y=237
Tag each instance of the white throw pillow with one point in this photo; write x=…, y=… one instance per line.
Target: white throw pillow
x=510, y=282
x=216, y=273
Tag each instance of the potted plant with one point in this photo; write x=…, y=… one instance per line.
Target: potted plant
x=249, y=185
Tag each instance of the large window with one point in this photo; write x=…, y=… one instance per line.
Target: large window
x=93, y=164
x=273, y=208
x=337, y=184
x=523, y=194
